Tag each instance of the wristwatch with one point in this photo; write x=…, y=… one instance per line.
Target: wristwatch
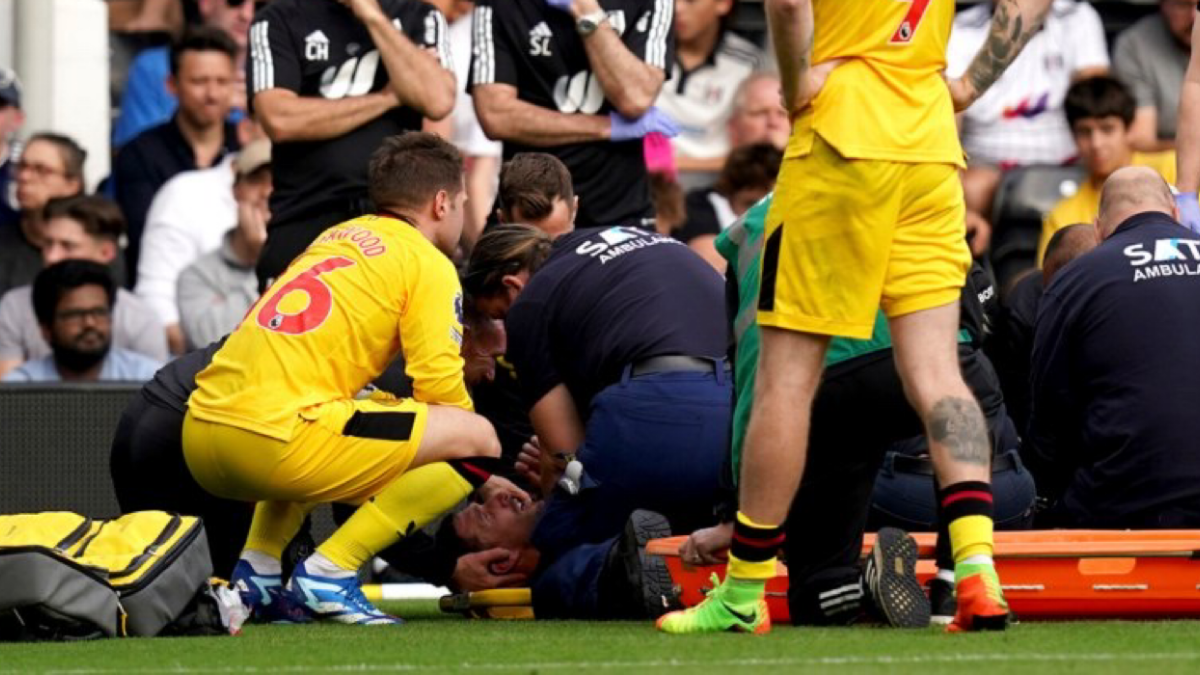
x=588, y=23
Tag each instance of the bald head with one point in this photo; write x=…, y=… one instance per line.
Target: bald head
x=1066, y=245
x=1130, y=191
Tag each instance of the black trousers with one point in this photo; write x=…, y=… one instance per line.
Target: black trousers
x=859, y=412
x=149, y=473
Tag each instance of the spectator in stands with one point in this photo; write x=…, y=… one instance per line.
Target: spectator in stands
x=748, y=175
x=190, y=217
x=758, y=115
x=1113, y=423
x=197, y=136
x=1099, y=111
x=148, y=100
x=711, y=62
x=79, y=228
x=308, y=86
x=51, y=165
x=535, y=189
x=11, y=119
x=73, y=300
x=1187, y=138
x=217, y=290
x=1019, y=120
x=1150, y=58
x=569, y=78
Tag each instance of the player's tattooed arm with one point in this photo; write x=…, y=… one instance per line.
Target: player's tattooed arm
x=1014, y=23
x=791, y=24
x=958, y=425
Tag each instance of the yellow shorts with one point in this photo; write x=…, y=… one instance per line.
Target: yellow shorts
x=341, y=451
x=846, y=237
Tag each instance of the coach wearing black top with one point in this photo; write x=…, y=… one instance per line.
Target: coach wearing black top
x=1114, y=422
x=577, y=79
x=328, y=81
x=618, y=338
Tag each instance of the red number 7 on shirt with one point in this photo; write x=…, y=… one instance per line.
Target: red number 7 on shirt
x=908, y=27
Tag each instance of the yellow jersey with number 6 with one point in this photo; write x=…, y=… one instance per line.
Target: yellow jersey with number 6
x=888, y=101
x=362, y=293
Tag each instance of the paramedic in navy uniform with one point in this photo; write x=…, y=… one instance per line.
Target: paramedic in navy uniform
x=577, y=79
x=1116, y=371
x=618, y=339
x=329, y=80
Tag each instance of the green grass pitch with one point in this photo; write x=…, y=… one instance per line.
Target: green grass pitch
x=431, y=642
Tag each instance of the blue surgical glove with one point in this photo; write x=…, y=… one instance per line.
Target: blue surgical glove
x=564, y=5
x=1189, y=210
x=655, y=120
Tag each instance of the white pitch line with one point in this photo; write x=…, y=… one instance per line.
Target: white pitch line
x=657, y=663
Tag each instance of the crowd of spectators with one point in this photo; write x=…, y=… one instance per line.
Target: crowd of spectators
x=247, y=136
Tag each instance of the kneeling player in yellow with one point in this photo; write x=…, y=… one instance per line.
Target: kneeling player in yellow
x=274, y=418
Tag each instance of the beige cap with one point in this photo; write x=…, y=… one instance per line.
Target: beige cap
x=253, y=156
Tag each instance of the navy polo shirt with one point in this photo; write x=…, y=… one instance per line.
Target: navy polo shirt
x=607, y=298
x=1115, y=418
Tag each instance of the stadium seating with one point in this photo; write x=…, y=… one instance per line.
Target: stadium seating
x=1024, y=197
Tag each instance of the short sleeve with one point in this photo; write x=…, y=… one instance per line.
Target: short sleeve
x=493, y=60
x=529, y=350
x=1089, y=48
x=273, y=62
x=652, y=34
x=1129, y=68
x=432, y=34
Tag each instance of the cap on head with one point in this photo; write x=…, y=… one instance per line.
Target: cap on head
x=253, y=156
x=10, y=88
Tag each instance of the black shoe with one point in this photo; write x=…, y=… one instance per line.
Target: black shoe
x=640, y=584
x=941, y=601
x=890, y=576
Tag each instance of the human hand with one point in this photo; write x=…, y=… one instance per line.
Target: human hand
x=961, y=93
x=1189, y=210
x=814, y=81
x=529, y=461
x=654, y=121
x=363, y=9
x=482, y=570
x=979, y=233
x=708, y=546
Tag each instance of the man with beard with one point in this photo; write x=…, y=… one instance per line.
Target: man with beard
x=73, y=301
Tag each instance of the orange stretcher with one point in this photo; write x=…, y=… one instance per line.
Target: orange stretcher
x=1047, y=574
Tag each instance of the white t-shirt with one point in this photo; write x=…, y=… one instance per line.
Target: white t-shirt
x=468, y=136
x=188, y=218
x=1020, y=119
x=702, y=100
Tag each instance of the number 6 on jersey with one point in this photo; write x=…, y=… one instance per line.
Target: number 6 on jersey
x=320, y=300
x=908, y=27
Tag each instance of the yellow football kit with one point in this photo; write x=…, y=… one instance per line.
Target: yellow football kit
x=869, y=209
x=274, y=415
